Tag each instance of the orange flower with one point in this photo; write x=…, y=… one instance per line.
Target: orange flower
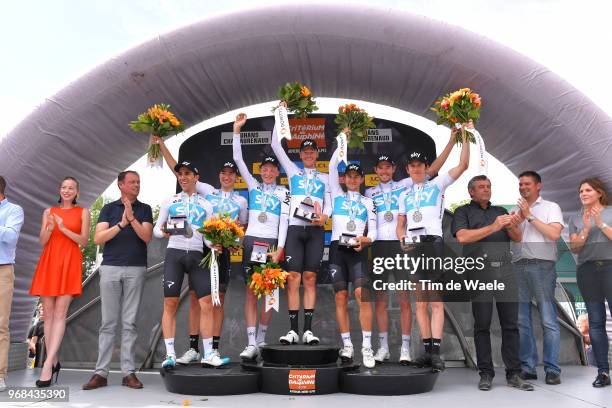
x=305, y=91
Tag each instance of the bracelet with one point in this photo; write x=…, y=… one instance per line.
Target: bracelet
x=119, y=225
x=130, y=221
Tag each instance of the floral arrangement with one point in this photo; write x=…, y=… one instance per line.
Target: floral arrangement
x=457, y=109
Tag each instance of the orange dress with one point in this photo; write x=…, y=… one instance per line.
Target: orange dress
x=59, y=269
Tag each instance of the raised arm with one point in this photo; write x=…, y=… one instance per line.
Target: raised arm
x=464, y=160
x=285, y=161
x=237, y=152
x=441, y=159
x=334, y=178
x=284, y=220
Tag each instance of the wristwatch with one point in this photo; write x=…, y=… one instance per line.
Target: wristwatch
x=603, y=226
x=530, y=218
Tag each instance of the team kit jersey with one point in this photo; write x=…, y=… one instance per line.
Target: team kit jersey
x=268, y=203
x=195, y=208
x=224, y=202
x=304, y=184
x=423, y=204
x=386, y=202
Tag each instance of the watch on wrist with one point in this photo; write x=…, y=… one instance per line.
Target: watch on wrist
x=530, y=218
x=603, y=226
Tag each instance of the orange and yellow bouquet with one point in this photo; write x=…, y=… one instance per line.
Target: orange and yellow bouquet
x=156, y=121
x=266, y=278
x=458, y=108
x=299, y=99
x=357, y=121
x=221, y=231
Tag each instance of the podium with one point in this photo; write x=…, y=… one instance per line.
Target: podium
x=299, y=370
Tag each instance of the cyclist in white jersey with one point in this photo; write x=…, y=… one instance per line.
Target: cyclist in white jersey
x=305, y=240
x=352, y=214
x=421, y=208
x=183, y=255
x=225, y=201
x=385, y=196
x=269, y=215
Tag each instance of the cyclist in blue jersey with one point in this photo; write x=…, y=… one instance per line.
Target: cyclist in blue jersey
x=352, y=214
x=184, y=213
x=225, y=201
x=305, y=239
x=421, y=208
x=269, y=215
x=385, y=196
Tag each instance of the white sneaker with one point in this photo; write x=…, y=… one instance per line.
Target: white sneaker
x=2, y=385
x=262, y=344
x=169, y=363
x=190, y=356
x=290, y=338
x=382, y=355
x=368, y=357
x=346, y=353
x=405, y=357
x=224, y=360
x=309, y=338
x=250, y=353
x=212, y=360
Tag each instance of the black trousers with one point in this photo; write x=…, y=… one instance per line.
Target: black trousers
x=507, y=311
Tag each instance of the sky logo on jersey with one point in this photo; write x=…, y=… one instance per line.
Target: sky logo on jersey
x=341, y=207
x=429, y=197
x=196, y=216
x=298, y=187
x=230, y=208
x=256, y=200
x=379, y=200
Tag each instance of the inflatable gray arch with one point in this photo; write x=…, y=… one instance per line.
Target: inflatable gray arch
x=532, y=119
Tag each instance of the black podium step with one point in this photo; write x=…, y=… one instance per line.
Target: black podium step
x=388, y=379
x=193, y=379
x=299, y=379
x=299, y=354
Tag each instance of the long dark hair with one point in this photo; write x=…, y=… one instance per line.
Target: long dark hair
x=74, y=201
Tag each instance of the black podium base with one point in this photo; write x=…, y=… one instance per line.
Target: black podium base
x=299, y=379
x=299, y=354
x=388, y=379
x=231, y=379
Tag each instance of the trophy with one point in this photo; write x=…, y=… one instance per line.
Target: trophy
x=305, y=211
x=178, y=225
x=260, y=252
x=348, y=241
x=413, y=238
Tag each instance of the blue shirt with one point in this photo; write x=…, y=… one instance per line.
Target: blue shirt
x=11, y=220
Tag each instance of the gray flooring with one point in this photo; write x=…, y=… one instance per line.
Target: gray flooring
x=456, y=387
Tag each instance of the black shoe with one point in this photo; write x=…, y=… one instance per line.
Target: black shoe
x=602, y=380
x=424, y=360
x=528, y=376
x=517, y=381
x=485, y=382
x=553, y=378
x=56, y=370
x=437, y=364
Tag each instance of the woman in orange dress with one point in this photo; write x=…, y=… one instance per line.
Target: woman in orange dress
x=58, y=274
